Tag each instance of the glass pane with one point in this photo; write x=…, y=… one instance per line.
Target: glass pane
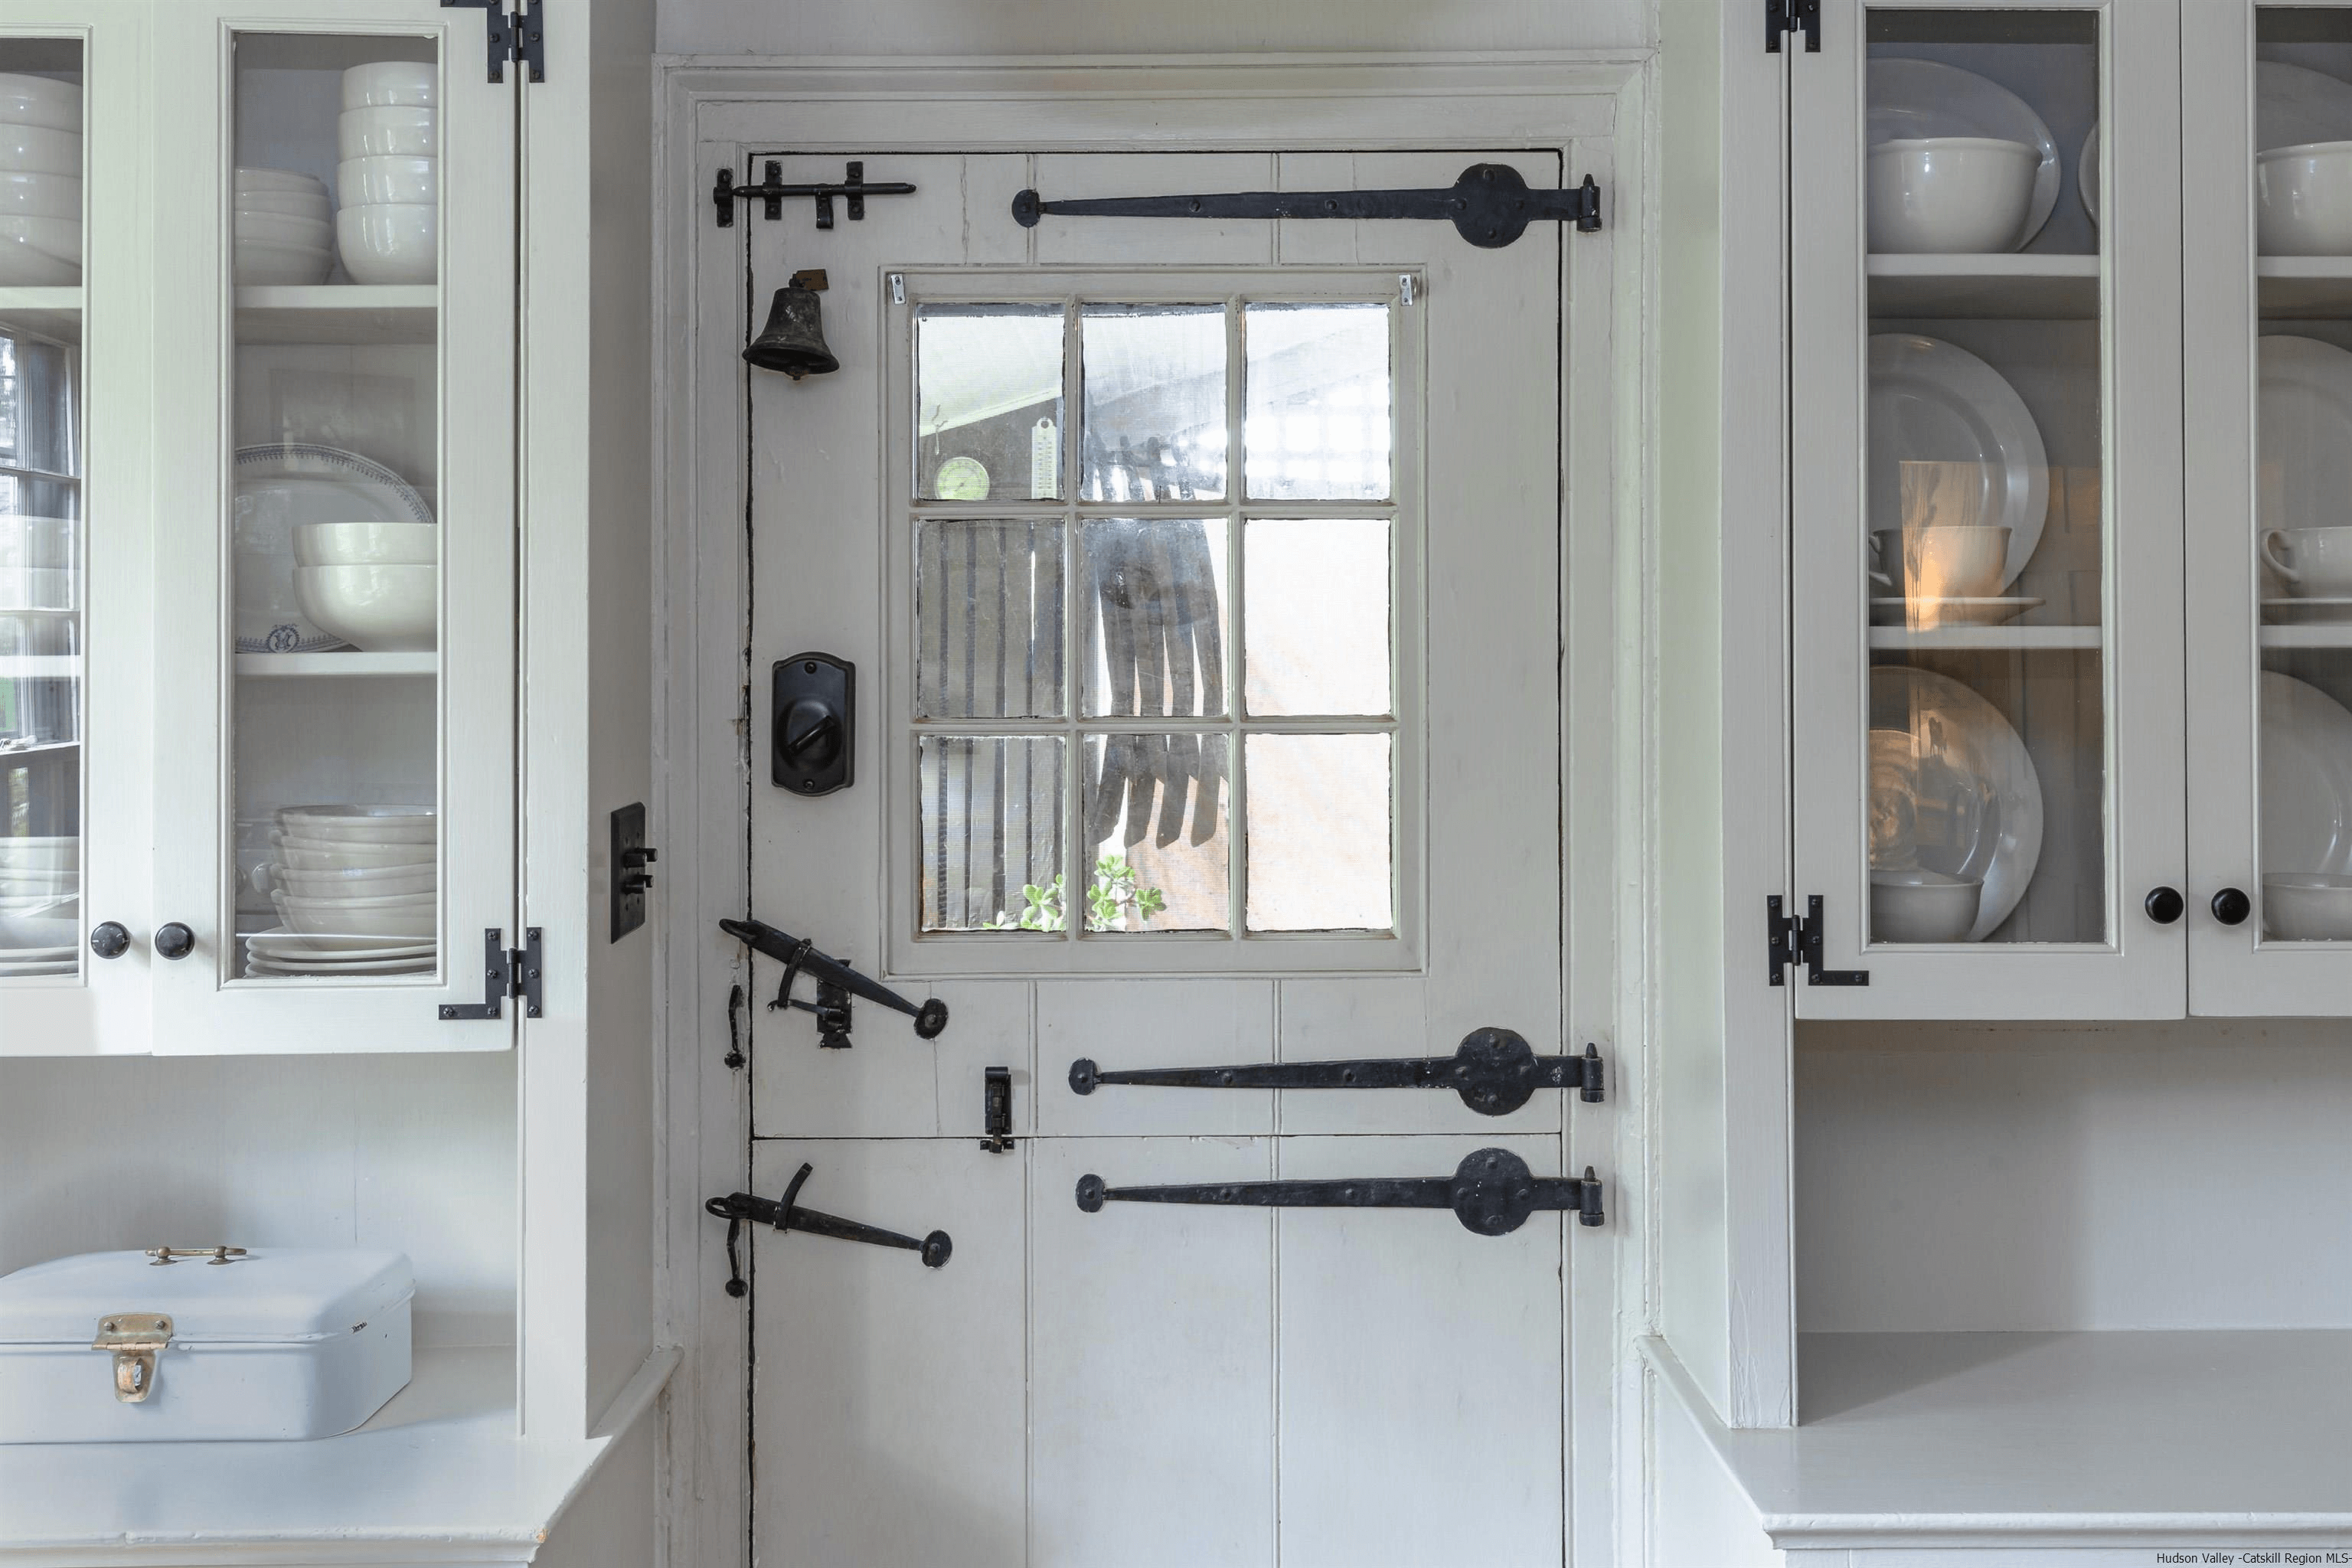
x=988, y=620
x=988, y=401
x=1318, y=616
x=1156, y=826
x=1154, y=609
x=2302, y=174
x=1320, y=841
x=1319, y=423
x=335, y=540
x=990, y=813
x=1984, y=554
x=40, y=163
x=1155, y=380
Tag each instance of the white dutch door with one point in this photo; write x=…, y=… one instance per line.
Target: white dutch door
x=1202, y=583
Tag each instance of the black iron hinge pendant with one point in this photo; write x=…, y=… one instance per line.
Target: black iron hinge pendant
x=506, y=971
x=783, y=1215
x=1785, y=16
x=1492, y=1193
x=1491, y=206
x=1793, y=940
x=520, y=36
x=1495, y=1071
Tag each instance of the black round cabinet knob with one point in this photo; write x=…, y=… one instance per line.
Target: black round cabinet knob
x=110, y=940
x=174, y=940
x=2231, y=907
x=2165, y=905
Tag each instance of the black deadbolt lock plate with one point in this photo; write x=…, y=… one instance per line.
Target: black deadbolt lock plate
x=813, y=725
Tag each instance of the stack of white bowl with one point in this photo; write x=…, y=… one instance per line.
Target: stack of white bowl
x=285, y=229
x=373, y=584
x=389, y=182
x=355, y=887
x=40, y=918
x=40, y=180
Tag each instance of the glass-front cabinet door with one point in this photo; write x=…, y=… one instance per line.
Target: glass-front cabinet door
x=2267, y=155
x=334, y=619
x=1986, y=508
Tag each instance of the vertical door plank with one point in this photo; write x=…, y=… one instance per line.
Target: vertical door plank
x=1153, y=1024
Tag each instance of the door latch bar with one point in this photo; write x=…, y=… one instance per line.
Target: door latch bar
x=836, y=982
x=996, y=1110
x=771, y=191
x=783, y=1215
x=1492, y=1193
x=1491, y=206
x=1495, y=1071
x=1792, y=940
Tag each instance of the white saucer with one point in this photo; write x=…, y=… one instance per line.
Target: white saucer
x=1950, y=612
x=2310, y=609
x=327, y=968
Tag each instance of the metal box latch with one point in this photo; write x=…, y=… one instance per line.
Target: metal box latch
x=137, y=1339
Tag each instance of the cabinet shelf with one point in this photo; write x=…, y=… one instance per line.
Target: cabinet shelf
x=2011, y=287
x=345, y=665
x=338, y=313
x=2290, y=285
x=1905, y=639
x=52, y=312
x=2322, y=634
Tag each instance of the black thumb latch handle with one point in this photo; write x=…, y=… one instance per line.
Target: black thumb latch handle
x=1492, y=1193
x=799, y=956
x=1495, y=1071
x=783, y=1213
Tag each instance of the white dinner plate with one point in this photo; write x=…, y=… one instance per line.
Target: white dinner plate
x=1927, y=97
x=286, y=484
x=281, y=943
x=2086, y=173
x=2294, y=105
x=2304, y=440
x=2307, y=778
x=1932, y=401
x=1951, y=788
x=1931, y=613
x=313, y=967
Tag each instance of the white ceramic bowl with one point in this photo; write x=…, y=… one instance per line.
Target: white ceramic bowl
x=326, y=855
x=406, y=915
x=57, y=237
x=390, y=243
x=371, y=182
x=284, y=181
x=354, y=881
x=39, y=195
x=387, y=131
x=416, y=83
x=38, y=150
x=366, y=543
x=39, y=100
x=2303, y=200
x=379, y=609
x=41, y=252
x=282, y=228
x=2307, y=906
x=265, y=265
x=1922, y=906
x=1950, y=195
x=359, y=823
x=38, y=587
x=287, y=203
x=41, y=541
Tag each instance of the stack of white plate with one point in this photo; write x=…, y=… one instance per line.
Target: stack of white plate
x=355, y=888
x=40, y=180
x=389, y=182
x=285, y=229
x=40, y=914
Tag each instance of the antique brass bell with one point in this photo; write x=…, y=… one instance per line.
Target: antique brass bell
x=793, y=340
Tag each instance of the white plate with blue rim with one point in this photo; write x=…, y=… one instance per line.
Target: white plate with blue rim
x=289, y=482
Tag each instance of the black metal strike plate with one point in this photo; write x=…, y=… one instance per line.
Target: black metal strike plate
x=1785, y=16
x=1495, y=1071
x=1492, y=1193
x=1791, y=940
x=629, y=860
x=813, y=723
x=771, y=191
x=996, y=1110
x=1490, y=205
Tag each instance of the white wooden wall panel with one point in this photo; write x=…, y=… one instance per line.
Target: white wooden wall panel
x=1152, y=1024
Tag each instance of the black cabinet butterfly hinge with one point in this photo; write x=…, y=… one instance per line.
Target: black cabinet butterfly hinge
x=1792, y=940
x=1782, y=18
x=520, y=36
x=506, y=971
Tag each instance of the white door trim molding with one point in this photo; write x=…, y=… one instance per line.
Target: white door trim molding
x=1592, y=108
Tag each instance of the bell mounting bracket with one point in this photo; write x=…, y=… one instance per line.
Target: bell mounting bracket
x=1492, y=1193
x=783, y=1213
x=1495, y=1071
x=771, y=191
x=836, y=982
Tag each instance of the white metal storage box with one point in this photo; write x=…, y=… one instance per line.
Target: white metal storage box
x=210, y=1344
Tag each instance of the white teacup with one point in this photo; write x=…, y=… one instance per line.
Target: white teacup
x=1940, y=563
x=2315, y=561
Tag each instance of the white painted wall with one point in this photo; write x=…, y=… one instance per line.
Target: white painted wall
x=1698, y=1516
x=1955, y=1176
x=938, y=27
x=411, y=1151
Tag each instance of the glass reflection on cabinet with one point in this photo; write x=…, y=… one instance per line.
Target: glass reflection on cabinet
x=1983, y=566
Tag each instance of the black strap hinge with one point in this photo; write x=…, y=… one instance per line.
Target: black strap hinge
x=1784, y=16
x=506, y=971
x=520, y=36
x=1793, y=940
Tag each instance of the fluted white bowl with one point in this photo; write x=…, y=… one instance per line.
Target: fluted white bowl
x=29, y=251
x=407, y=915
x=387, y=130
x=371, y=181
x=324, y=855
x=250, y=178
x=39, y=195
x=261, y=264
x=39, y=100
x=366, y=544
x=38, y=150
x=359, y=823
x=287, y=203
x=353, y=881
x=411, y=83
x=283, y=228
x=390, y=242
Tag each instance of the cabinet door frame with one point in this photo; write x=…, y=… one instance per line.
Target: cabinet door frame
x=475, y=505
x=2139, y=970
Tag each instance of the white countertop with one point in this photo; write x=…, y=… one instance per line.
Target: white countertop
x=437, y=1475
x=2211, y=1438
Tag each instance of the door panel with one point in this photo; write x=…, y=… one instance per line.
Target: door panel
x=1153, y=1024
